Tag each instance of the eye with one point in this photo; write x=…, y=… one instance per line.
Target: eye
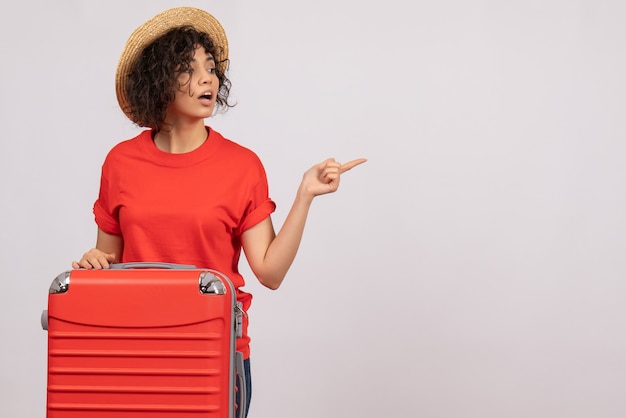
x=185, y=76
x=211, y=70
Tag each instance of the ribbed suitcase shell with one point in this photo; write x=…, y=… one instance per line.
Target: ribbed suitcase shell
x=139, y=343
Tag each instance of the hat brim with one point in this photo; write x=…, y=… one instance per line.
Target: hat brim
x=159, y=25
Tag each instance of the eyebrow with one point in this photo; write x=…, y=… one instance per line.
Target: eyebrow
x=209, y=58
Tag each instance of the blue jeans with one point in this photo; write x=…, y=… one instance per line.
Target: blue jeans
x=248, y=378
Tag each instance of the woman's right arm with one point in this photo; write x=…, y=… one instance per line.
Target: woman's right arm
x=108, y=250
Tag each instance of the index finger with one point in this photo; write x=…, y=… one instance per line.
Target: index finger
x=350, y=165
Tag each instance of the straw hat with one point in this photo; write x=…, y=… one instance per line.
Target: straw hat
x=159, y=25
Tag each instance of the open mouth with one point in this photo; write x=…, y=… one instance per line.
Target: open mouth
x=206, y=96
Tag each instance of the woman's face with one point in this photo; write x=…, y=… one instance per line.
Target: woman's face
x=197, y=92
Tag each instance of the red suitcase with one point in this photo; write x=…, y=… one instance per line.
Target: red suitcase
x=142, y=340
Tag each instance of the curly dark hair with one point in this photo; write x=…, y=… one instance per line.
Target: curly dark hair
x=153, y=79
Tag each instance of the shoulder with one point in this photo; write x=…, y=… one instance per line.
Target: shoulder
x=239, y=161
x=131, y=144
x=129, y=147
x=125, y=154
x=237, y=152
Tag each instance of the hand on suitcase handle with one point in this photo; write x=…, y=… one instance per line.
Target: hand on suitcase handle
x=95, y=259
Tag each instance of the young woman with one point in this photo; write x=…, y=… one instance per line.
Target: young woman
x=180, y=192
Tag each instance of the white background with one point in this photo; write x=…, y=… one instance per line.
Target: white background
x=473, y=267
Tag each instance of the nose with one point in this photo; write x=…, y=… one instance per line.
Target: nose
x=206, y=77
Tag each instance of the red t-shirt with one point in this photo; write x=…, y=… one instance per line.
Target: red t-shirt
x=188, y=208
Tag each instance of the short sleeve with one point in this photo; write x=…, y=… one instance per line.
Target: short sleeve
x=258, y=214
x=260, y=206
x=104, y=215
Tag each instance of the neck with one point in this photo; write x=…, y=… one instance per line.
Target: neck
x=180, y=139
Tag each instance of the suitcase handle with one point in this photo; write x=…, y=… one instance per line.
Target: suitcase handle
x=150, y=265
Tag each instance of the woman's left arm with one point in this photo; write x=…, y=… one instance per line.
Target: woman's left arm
x=269, y=254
